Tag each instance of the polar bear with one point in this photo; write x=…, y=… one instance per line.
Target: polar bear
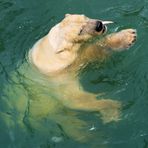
x=73, y=43
x=46, y=87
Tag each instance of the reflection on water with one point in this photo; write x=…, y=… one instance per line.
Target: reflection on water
x=24, y=92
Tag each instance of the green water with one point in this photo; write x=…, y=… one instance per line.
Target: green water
x=123, y=77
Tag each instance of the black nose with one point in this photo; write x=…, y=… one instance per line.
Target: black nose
x=99, y=26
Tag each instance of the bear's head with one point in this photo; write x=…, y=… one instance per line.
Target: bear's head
x=74, y=30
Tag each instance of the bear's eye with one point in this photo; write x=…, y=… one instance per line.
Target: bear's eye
x=81, y=31
x=99, y=26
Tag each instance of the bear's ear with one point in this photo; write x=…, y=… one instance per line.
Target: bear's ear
x=67, y=14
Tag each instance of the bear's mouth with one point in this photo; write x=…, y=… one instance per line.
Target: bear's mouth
x=101, y=26
x=95, y=27
x=106, y=23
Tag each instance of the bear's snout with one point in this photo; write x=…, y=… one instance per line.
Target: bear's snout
x=100, y=27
